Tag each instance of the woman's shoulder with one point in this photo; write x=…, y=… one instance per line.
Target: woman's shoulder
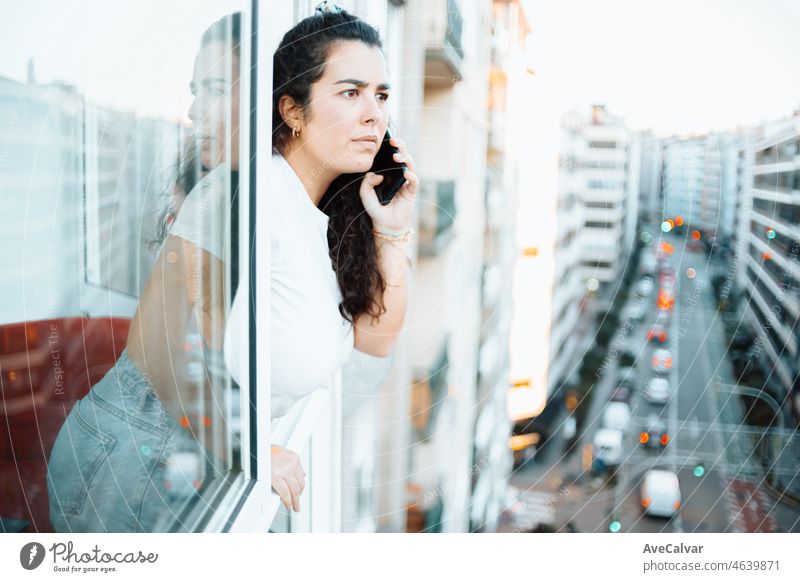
x=282, y=190
x=210, y=195
x=206, y=211
x=277, y=176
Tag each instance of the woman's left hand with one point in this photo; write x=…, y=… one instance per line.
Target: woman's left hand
x=395, y=216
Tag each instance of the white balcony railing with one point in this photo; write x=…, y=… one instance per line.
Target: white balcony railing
x=443, y=51
x=313, y=429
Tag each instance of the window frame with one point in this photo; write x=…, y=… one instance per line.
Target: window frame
x=244, y=505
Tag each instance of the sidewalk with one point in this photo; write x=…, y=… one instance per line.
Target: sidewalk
x=783, y=510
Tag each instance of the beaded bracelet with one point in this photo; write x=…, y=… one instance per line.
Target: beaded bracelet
x=394, y=236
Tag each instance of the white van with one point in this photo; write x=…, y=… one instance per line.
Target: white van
x=661, y=493
x=657, y=390
x=616, y=416
x=607, y=446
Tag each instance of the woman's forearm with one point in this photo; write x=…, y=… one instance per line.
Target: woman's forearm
x=378, y=336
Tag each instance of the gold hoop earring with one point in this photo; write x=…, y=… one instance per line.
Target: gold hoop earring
x=295, y=132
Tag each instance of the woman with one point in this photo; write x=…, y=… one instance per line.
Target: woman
x=121, y=461
x=339, y=257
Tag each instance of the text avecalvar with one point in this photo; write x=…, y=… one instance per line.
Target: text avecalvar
x=672, y=549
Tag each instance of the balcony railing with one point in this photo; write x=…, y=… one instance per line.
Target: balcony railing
x=436, y=216
x=313, y=429
x=443, y=51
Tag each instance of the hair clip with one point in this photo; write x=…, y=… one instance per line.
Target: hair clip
x=327, y=8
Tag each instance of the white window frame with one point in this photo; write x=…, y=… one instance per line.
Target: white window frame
x=313, y=426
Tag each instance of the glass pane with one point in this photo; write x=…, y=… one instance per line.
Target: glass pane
x=119, y=168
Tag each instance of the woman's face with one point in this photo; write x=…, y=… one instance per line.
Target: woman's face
x=348, y=113
x=215, y=108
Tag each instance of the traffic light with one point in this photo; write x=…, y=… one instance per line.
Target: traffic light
x=614, y=526
x=699, y=470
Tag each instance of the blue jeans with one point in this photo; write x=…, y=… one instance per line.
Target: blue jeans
x=120, y=463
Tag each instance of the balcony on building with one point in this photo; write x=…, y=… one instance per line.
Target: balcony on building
x=429, y=396
x=443, y=52
x=436, y=216
x=497, y=130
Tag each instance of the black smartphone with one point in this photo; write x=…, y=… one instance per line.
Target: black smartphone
x=393, y=172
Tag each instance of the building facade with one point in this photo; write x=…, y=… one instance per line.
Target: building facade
x=769, y=252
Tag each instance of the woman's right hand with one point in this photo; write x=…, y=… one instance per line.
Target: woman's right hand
x=288, y=477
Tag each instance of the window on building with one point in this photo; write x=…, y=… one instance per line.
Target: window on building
x=603, y=205
x=603, y=145
x=120, y=263
x=598, y=224
x=596, y=264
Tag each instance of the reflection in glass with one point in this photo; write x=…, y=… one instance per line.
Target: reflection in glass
x=121, y=224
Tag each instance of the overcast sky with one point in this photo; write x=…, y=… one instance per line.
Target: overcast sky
x=134, y=56
x=674, y=66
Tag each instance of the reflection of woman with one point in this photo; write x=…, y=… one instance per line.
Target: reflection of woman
x=121, y=462
x=330, y=91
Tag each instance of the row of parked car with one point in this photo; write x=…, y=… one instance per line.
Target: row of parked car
x=609, y=440
x=660, y=491
x=660, y=494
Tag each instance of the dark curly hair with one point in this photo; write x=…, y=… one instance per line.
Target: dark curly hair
x=297, y=64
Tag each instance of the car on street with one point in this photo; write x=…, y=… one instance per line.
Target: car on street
x=634, y=312
x=645, y=287
x=666, y=297
x=666, y=276
x=657, y=390
x=626, y=376
x=648, y=263
x=657, y=333
x=621, y=394
x=616, y=416
x=654, y=433
x=660, y=493
x=663, y=317
x=627, y=359
x=661, y=361
x=607, y=446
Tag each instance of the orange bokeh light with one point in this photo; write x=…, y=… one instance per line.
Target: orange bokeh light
x=679, y=220
x=695, y=235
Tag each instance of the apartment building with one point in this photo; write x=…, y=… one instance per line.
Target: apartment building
x=770, y=248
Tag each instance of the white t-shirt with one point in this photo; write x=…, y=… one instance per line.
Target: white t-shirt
x=204, y=217
x=309, y=339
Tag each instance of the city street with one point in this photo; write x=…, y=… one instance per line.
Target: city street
x=720, y=484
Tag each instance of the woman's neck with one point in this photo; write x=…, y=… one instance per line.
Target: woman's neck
x=316, y=178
